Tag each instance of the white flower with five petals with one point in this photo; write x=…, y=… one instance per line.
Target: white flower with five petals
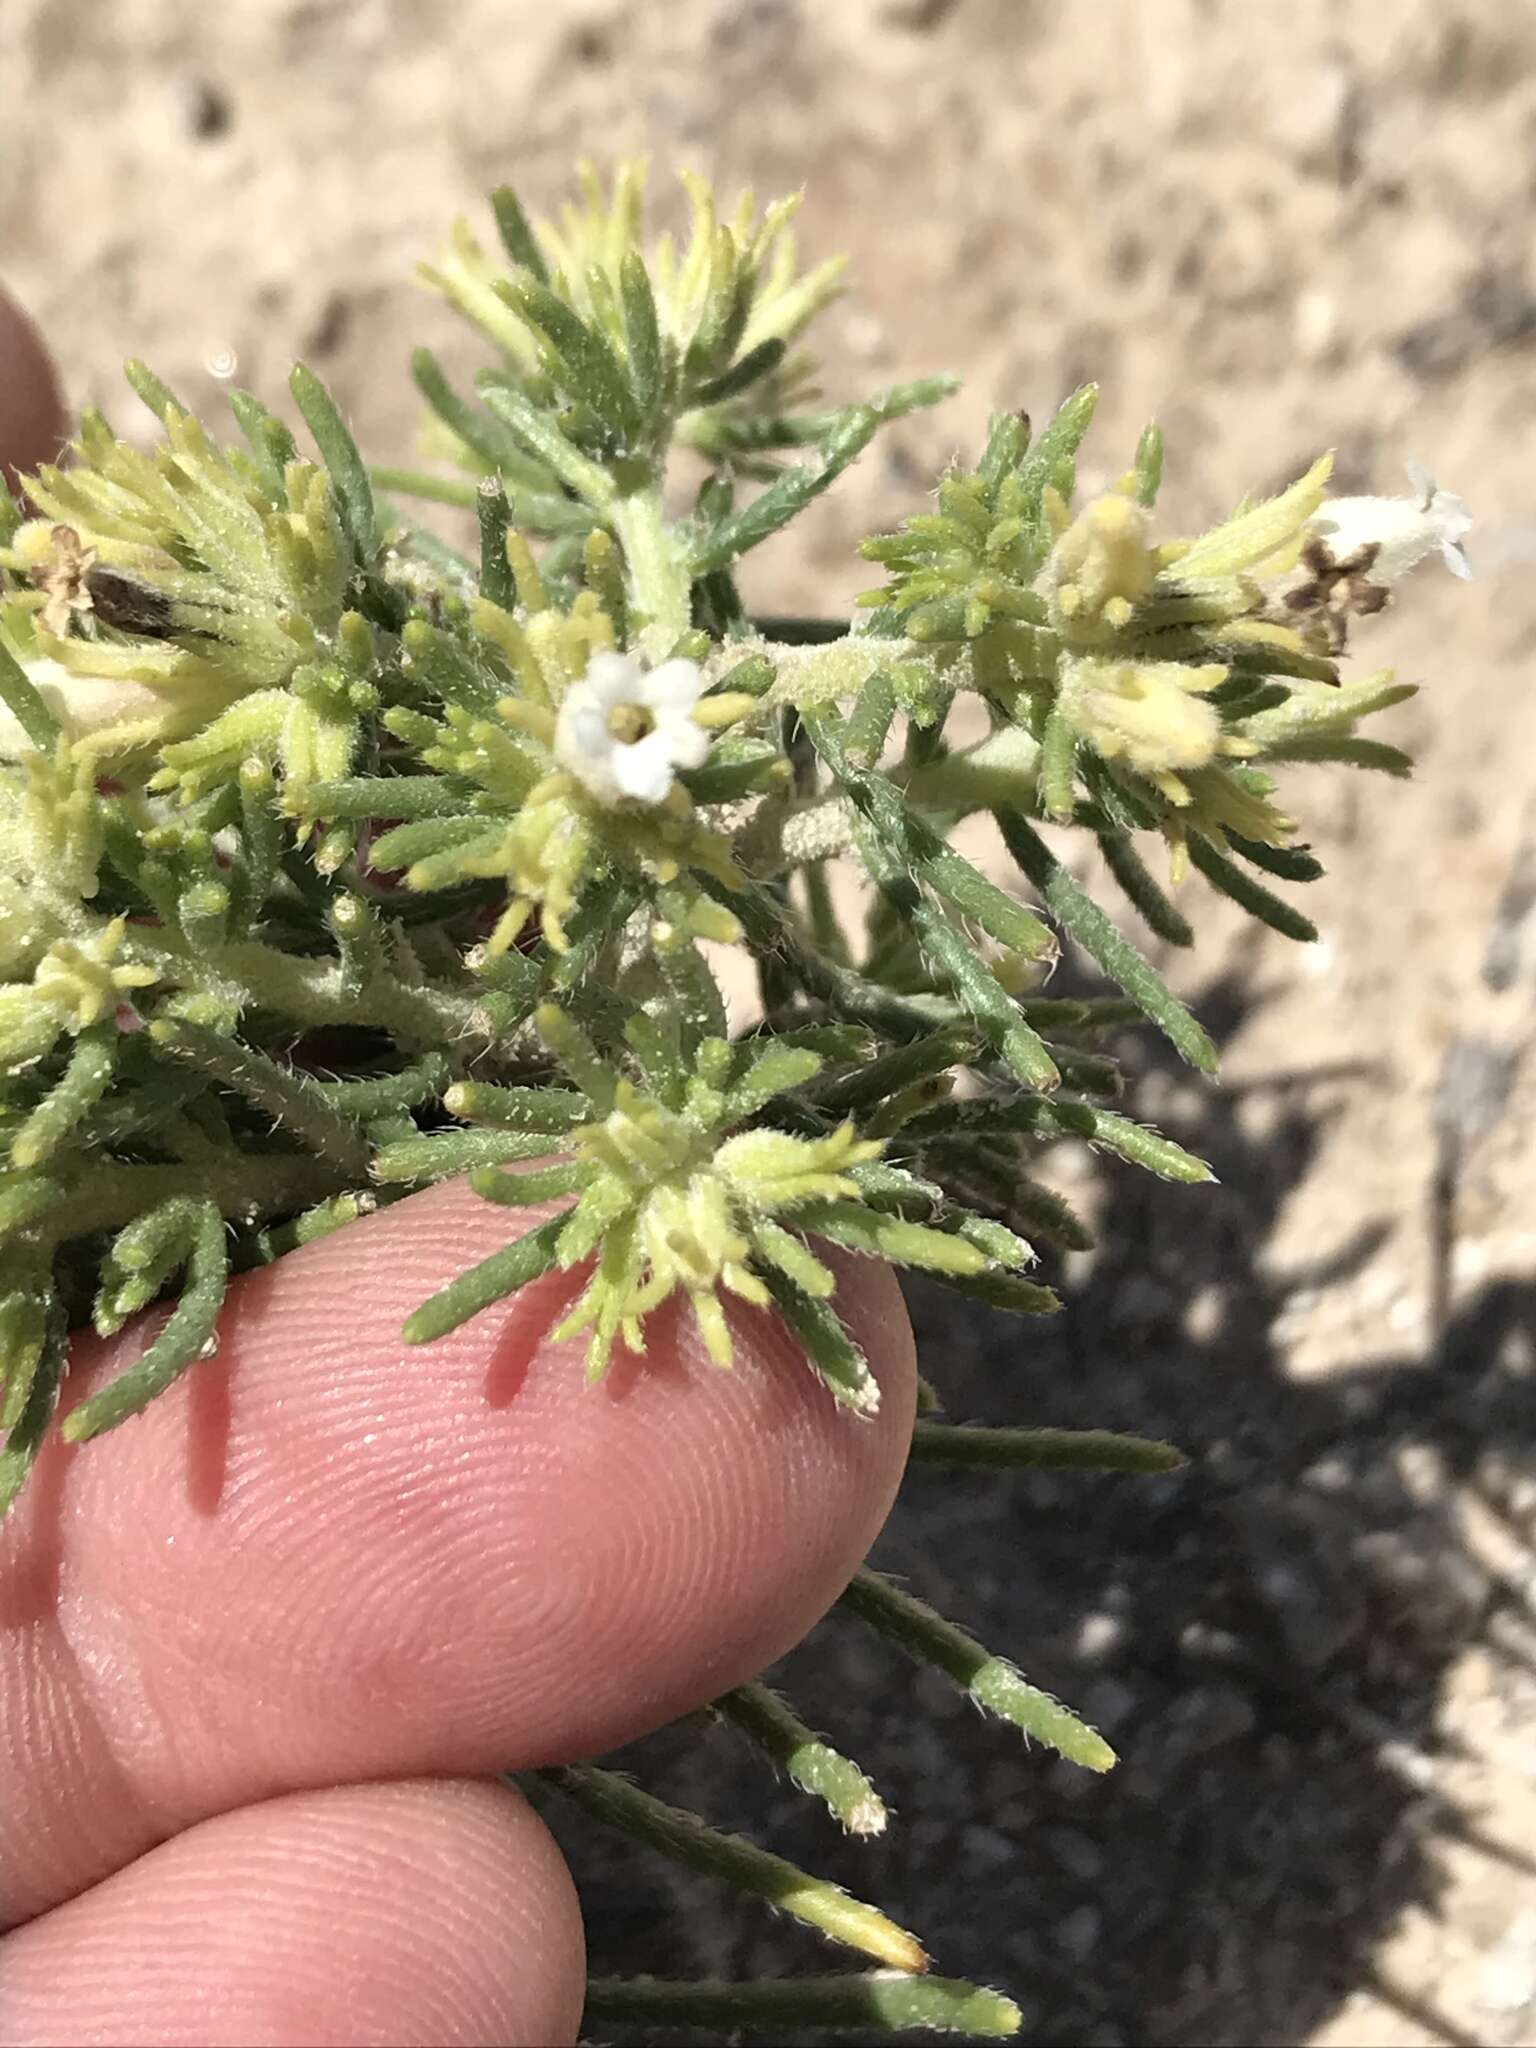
x=1401, y=531
x=624, y=730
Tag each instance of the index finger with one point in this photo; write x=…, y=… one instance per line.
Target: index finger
x=325, y=1557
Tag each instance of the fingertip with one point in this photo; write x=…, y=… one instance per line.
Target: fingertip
x=665, y=1533
x=675, y=1527
x=438, y=1912
x=460, y=1558
x=33, y=421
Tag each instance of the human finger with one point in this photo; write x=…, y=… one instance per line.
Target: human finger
x=327, y=1557
x=436, y=1912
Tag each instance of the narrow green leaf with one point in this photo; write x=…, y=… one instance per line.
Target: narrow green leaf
x=1007, y=445
x=773, y=1071
x=1007, y=1291
x=789, y=494
x=402, y=797
x=1063, y=1116
x=885, y=1186
x=695, y=994
x=517, y=237
x=1082, y=1450
x=496, y=579
x=1149, y=465
x=270, y=440
x=917, y=846
x=1058, y=767
x=187, y=1336
x=990, y=1681
x=423, y=838
x=1050, y=459
x=513, y=1266
x=833, y=1353
x=776, y=2007
x=1044, y=1213
x=30, y=1427
x=1250, y=696
x=1122, y=798
x=484, y=436
x=642, y=335
x=158, y=396
x=876, y=1080
x=809, y=1762
x=976, y=988
x=1287, y=863
x=1082, y=919
x=78, y=1089
x=757, y=769
x=363, y=950
x=581, y=355
x=525, y=1190
x=537, y=435
x=311, y=1225
x=893, y=1238
x=900, y=399
x=758, y=362
x=549, y=1110
x=869, y=727
x=291, y=1099
x=348, y=472
x=440, y=1154
x=686, y=1839
x=1087, y=1014
x=390, y=1094
x=1346, y=747
x=1252, y=896
x=849, y=994
x=1130, y=871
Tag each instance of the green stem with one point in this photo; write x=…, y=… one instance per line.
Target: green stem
x=288, y=1097
x=308, y=991
x=244, y=1189
x=658, y=583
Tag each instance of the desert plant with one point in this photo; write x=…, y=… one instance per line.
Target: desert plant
x=335, y=860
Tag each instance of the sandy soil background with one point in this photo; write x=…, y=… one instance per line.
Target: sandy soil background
x=1277, y=228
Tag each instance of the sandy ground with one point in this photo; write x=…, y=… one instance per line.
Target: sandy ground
x=1278, y=229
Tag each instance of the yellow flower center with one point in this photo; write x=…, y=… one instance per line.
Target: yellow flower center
x=630, y=722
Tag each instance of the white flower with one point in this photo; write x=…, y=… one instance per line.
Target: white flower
x=1402, y=531
x=623, y=730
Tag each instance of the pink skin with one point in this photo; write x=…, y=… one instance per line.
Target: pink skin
x=33, y=423
x=260, y=1648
